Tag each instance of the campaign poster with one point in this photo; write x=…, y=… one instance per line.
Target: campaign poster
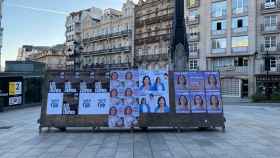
x=54, y=105
x=198, y=103
x=183, y=103
x=196, y=81
x=181, y=82
x=153, y=91
x=124, y=105
x=15, y=88
x=94, y=103
x=212, y=81
x=214, y=102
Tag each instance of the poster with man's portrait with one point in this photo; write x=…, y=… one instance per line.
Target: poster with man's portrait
x=214, y=102
x=212, y=81
x=198, y=103
x=183, y=103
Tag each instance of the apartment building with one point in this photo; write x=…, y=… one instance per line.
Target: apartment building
x=153, y=30
x=222, y=37
x=1, y=29
x=53, y=57
x=108, y=42
x=73, y=34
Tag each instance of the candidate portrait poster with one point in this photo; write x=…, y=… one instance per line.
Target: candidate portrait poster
x=124, y=105
x=181, y=82
x=196, y=81
x=54, y=103
x=198, y=102
x=212, y=81
x=94, y=103
x=214, y=102
x=183, y=102
x=153, y=91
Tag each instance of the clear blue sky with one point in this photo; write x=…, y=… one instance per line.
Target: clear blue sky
x=40, y=22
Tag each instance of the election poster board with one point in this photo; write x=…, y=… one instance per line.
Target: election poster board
x=199, y=90
x=154, y=91
x=124, y=91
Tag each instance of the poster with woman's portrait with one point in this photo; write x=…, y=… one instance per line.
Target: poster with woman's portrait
x=155, y=81
x=114, y=119
x=183, y=103
x=144, y=104
x=212, y=81
x=181, y=83
x=161, y=103
x=214, y=102
x=196, y=81
x=198, y=103
x=116, y=81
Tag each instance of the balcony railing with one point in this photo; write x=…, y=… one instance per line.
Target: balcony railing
x=110, y=35
x=275, y=48
x=218, y=51
x=240, y=30
x=216, y=15
x=219, y=32
x=270, y=7
x=151, y=57
x=239, y=11
x=193, y=20
x=273, y=70
x=106, y=66
x=270, y=28
x=240, y=50
x=193, y=5
x=232, y=69
x=109, y=50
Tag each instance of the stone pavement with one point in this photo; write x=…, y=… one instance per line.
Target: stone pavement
x=252, y=132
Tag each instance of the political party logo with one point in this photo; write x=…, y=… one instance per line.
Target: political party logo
x=101, y=103
x=86, y=103
x=54, y=103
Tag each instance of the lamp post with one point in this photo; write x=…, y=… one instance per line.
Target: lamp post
x=267, y=69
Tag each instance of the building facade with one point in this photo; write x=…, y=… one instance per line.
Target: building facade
x=73, y=34
x=153, y=29
x=233, y=37
x=54, y=57
x=108, y=41
x=1, y=30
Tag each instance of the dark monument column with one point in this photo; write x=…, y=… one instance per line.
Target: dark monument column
x=179, y=44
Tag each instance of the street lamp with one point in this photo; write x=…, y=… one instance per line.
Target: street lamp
x=267, y=69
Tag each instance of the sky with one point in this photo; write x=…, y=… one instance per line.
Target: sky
x=40, y=22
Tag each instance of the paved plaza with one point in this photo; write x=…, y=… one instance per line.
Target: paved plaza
x=252, y=132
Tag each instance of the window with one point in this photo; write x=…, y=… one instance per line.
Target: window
x=220, y=43
x=272, y=63
x=270, y=20
x=240, y=22
x=239, y=6
x=219, y=25
x=241, y=41
x=270, y=41
x=193, y=47
x=241, y=61
x=193, y=65
x=219, y=9
x=191, y=3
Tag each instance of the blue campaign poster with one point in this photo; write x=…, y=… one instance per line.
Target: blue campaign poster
x=212, y=81
x=214, y=102
x=183, y=103
x=198, y=102
x=196, y=81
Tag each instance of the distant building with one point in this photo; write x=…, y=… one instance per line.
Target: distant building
x=73, y=34
x=1, y=29
x=53, y=57
x=153, y=28
x=108, y=41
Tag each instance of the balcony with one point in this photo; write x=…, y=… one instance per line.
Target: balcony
x=232, y=69
x=219, y=15
x=109, y=50
x=240, y=31
x=106, y=36
x=219, y=33
x=151, y=57
x=195, y=4
x=272, y=49
x=152, y=39
x=218, y=51
x=240, y=50
x=266, y=29
x=194, y=54
x=153, y=20
x=273, y=70
x=270, y=7
x=192, y=20
x=195, y=36
x=106, y=66
x=240, y=11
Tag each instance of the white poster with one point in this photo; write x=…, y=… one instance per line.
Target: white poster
x=94, y=103
x=54, y=106
x=15, y=100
